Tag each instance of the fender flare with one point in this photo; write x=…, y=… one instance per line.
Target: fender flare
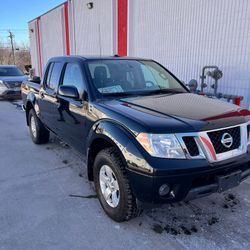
x=31, y=103
x=123, y=140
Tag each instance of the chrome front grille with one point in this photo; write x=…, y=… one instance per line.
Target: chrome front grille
x=208, y=144
x=216, y=137
x=191, y=145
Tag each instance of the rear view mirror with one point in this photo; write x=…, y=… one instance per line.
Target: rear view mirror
x=69, y=91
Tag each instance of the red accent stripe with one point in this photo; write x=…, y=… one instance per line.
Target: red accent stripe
x=240, y=112
x=209, y=147
x=122, y=27
x=245, y=112
x=66, y=23
x=38, y=20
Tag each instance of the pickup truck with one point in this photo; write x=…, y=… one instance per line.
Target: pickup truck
x=145, y=138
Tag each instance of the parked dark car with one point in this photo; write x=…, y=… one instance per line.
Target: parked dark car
x=145, y=137
x=11, y=78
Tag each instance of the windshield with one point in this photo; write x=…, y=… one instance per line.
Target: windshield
x=121, y=77
x=10, y=71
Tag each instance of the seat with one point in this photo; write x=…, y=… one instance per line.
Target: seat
x=100, y=76
x=119, y=78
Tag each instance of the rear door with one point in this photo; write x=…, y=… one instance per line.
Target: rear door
x=48, y=95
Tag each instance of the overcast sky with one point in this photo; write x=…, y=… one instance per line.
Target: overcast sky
x=15, y=15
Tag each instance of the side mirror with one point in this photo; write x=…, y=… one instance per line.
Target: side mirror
x=36, y=79
x=69, y=91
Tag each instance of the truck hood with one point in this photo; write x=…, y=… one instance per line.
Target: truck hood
x=182, y=112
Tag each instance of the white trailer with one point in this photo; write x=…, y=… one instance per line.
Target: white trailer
x=183, y=35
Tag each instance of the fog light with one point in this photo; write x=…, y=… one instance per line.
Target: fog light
x=164, y=189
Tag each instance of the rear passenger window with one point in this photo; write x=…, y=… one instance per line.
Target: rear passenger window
x=54, y=75
x=48, y=73
x=73, y=76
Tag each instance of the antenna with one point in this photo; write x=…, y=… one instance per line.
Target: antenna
x=100, y=39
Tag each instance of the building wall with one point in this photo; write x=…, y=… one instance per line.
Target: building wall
x=52, y=34
x=185, y=35
x=33, y=45
x=93, y=28
x=91, y=31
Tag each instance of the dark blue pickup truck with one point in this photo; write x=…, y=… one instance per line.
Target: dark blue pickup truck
x=145, y=137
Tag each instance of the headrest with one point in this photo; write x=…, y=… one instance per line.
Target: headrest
x=100, y=72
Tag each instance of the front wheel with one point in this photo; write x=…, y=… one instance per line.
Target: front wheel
x=112, y=186
x=39, y=134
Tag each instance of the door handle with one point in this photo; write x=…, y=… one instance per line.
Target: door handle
x=42, y=95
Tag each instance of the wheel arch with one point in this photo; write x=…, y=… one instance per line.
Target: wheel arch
x=30, y=104
x=106, y=134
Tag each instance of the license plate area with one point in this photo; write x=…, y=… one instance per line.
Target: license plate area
x=226, y=182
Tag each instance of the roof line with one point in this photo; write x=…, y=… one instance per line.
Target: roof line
x=47, y=11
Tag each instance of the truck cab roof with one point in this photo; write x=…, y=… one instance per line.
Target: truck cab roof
x=96, y=57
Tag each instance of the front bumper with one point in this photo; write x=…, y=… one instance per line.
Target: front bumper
x=187, y=179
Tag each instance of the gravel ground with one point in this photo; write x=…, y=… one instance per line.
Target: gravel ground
x=47, y=203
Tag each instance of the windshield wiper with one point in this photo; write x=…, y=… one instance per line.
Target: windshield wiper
x=163, y=91
x=144, y=93
x=119, y=94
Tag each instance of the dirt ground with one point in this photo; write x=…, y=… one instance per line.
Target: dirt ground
x=48, y=203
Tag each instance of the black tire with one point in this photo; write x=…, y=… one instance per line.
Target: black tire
x=127, y=207
x=41, y=135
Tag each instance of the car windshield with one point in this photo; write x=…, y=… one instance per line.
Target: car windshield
x=10, y=71
x=129, y=77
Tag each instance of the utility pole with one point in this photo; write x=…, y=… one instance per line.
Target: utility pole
x=11, y=36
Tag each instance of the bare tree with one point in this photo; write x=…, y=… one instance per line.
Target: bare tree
x=4, y=54
x=22, y=55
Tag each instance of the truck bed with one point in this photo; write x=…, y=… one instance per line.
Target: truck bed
x=29, y=86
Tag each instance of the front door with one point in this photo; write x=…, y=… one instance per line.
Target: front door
x=71, y=114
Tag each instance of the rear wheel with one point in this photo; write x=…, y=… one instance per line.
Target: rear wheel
x=112, y=186
x=39, y=134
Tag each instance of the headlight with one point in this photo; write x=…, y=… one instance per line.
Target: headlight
x=161, y=145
